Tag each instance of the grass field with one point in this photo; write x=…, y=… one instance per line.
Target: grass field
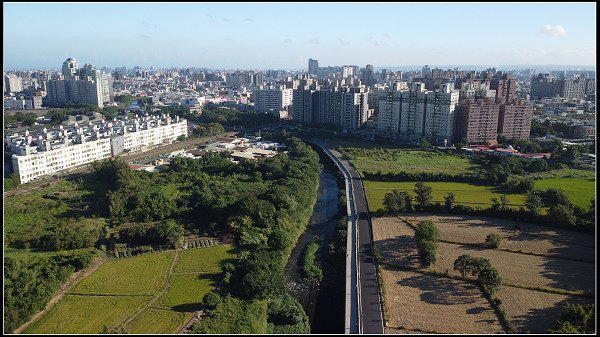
x=170, y=322
x=466, y=194
x=28, y=215
x=410, y=160
x=144, y=274
x=580, y=190
x=437, y=305
x=205, y=260
x=86, y=314
x=187, y=290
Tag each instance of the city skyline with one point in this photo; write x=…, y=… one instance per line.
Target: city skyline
x=242, y=36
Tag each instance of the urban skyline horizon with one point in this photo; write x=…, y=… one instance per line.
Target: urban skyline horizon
x=506, y=67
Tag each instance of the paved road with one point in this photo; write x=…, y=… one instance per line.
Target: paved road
x=370, y=311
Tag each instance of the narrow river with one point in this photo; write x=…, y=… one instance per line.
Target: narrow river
x=324, y=301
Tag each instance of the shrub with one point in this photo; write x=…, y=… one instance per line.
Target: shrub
x=493, y=240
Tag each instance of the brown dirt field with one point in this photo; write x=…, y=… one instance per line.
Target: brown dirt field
x=396, y=331
x=523, y=269
x=417, y=301
x=395, y=241
x=531, y=311
x=529, y=238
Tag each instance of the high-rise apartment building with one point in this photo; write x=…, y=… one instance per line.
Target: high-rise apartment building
x=313, y=67
x=12, y=84
x=506, y=88
x=304, y=99
x=415, y=113
x=70, y=68
x=477, y=120
x=514, y=120
x=267, y=99
x=87, y=85
x=368, y=76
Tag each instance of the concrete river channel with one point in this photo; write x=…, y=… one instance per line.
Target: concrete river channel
x=322, y=301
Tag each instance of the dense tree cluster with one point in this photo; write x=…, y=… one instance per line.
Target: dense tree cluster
x=576, y=319
x=28, y=286
x=480, y=267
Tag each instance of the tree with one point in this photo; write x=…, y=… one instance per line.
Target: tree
x=553, y=196
x=423, y=194
x=170, y=231
x=211, y=300
x=426, y=230
x=427, y=252
x=450, y=201
x=424, y=143
x=461, y=143
x=490, y=280
x=495, y=204
x=468, y=264
x=463, y=264
x=533, y=203
x=562, y=215
x=397, y=202
x=493, y=239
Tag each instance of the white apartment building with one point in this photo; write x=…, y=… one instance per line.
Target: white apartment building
x=51, y=151
x=417, y=113
x=266, y=99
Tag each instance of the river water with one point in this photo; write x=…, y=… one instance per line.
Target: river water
x=324, y=301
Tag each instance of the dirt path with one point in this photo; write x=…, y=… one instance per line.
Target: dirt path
x=198, y=315
x=157, y=296
x=70, y=283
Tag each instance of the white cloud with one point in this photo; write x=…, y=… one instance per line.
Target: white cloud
x=556, y=30
x=343, y=42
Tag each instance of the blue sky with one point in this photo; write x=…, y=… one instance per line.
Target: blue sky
x=285, y=35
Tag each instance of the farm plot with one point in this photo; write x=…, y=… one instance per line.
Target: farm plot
x=531, y=311
x=205, y=260
x=87, y=314
x=395, y=242
x=528, y=238
x=144, y=274
x=466, y=194
x=435, y=304
x=170, y=322
x=186, y=291
x=523, y=269
x=580, y=190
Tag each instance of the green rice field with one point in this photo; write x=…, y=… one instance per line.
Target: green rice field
x=206, y=260
x=143, y=274
x=86, y=314
x=466, y=194
x=118, y=288
x=187, y=290
x=170, y=322
x=580, y=190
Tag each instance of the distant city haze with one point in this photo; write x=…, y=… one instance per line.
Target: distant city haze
x=286, y=35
